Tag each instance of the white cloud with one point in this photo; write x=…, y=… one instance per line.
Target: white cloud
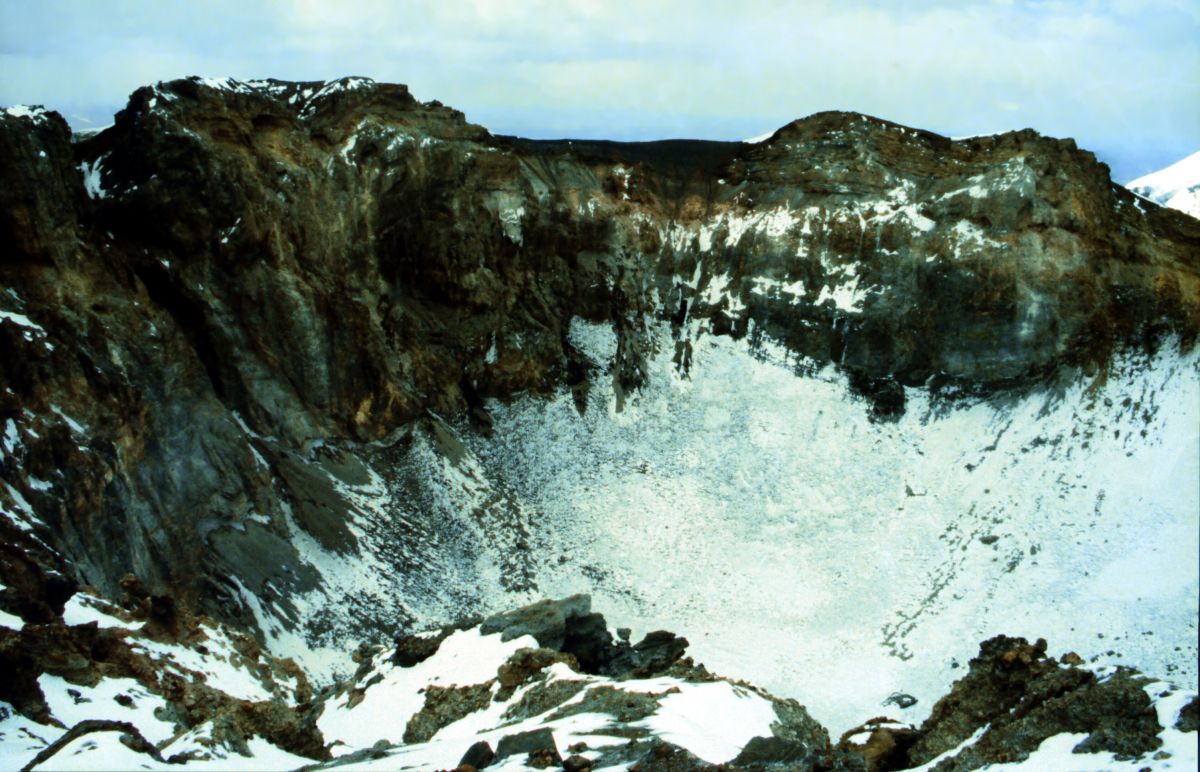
x=1105, y=71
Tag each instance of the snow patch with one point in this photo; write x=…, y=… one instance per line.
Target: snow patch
x=713, y=720
x=12, y=438
x=510, y=221
x=491, y=357
x=846, y=295
x=772, y=288
x=82, y=609
x=24, y=518
x=465, y=658
x=35, y=113
x=225, y=83
x=759, y=138
x=92, y=183
x=76, y=427
x=71, y=703
x=32, y=331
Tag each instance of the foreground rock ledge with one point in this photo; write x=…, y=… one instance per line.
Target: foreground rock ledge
x=514, y=689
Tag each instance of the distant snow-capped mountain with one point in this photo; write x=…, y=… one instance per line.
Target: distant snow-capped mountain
x=1177, y=186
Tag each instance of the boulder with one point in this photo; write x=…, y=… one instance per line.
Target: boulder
x=478, y=756
x=538, y=742
x=656, y=652
x=545, y=620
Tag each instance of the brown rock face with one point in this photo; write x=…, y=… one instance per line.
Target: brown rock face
x=1023, y=697
x=199, y=298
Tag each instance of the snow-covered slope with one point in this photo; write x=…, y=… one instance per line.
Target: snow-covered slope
x=1177, y=186
x=800, y=544
x=838, y=560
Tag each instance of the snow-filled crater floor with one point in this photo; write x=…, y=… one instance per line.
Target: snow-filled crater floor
x=839, y=560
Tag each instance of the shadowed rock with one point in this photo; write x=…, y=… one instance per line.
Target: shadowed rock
x=545, y=620
x=479, y=755
x=536, y=741
x=1025, y=697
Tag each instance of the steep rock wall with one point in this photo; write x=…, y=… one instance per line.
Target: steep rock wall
x=228, y=310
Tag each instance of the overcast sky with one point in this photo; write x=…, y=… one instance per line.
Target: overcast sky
x=1120, y=76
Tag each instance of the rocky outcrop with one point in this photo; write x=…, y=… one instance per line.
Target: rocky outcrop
x=213, y=687
x=1015, y=698
x=530, y=696
x=571, y=627
x=1012, y=705
x=478, y=698
x=1020, y=697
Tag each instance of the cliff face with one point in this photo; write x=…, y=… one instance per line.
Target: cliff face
x=223, y=314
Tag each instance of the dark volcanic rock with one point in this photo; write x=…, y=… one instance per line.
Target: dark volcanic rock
x=545, y=620
x=577, y=764
x=1189, y=716
x=652, y=655
x=762, y=754
x=241, y=293
x=569, y=626
x=588, y=640
x=771, y=750
x=478, y=755
x=443, y=706
x=1024, y=698
x=659, y=756
x=533, y=742
x=541, y=698
x=415, y=649
x=527, y=665
x=901, y=700
x=626, y=707
x=885, y=746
